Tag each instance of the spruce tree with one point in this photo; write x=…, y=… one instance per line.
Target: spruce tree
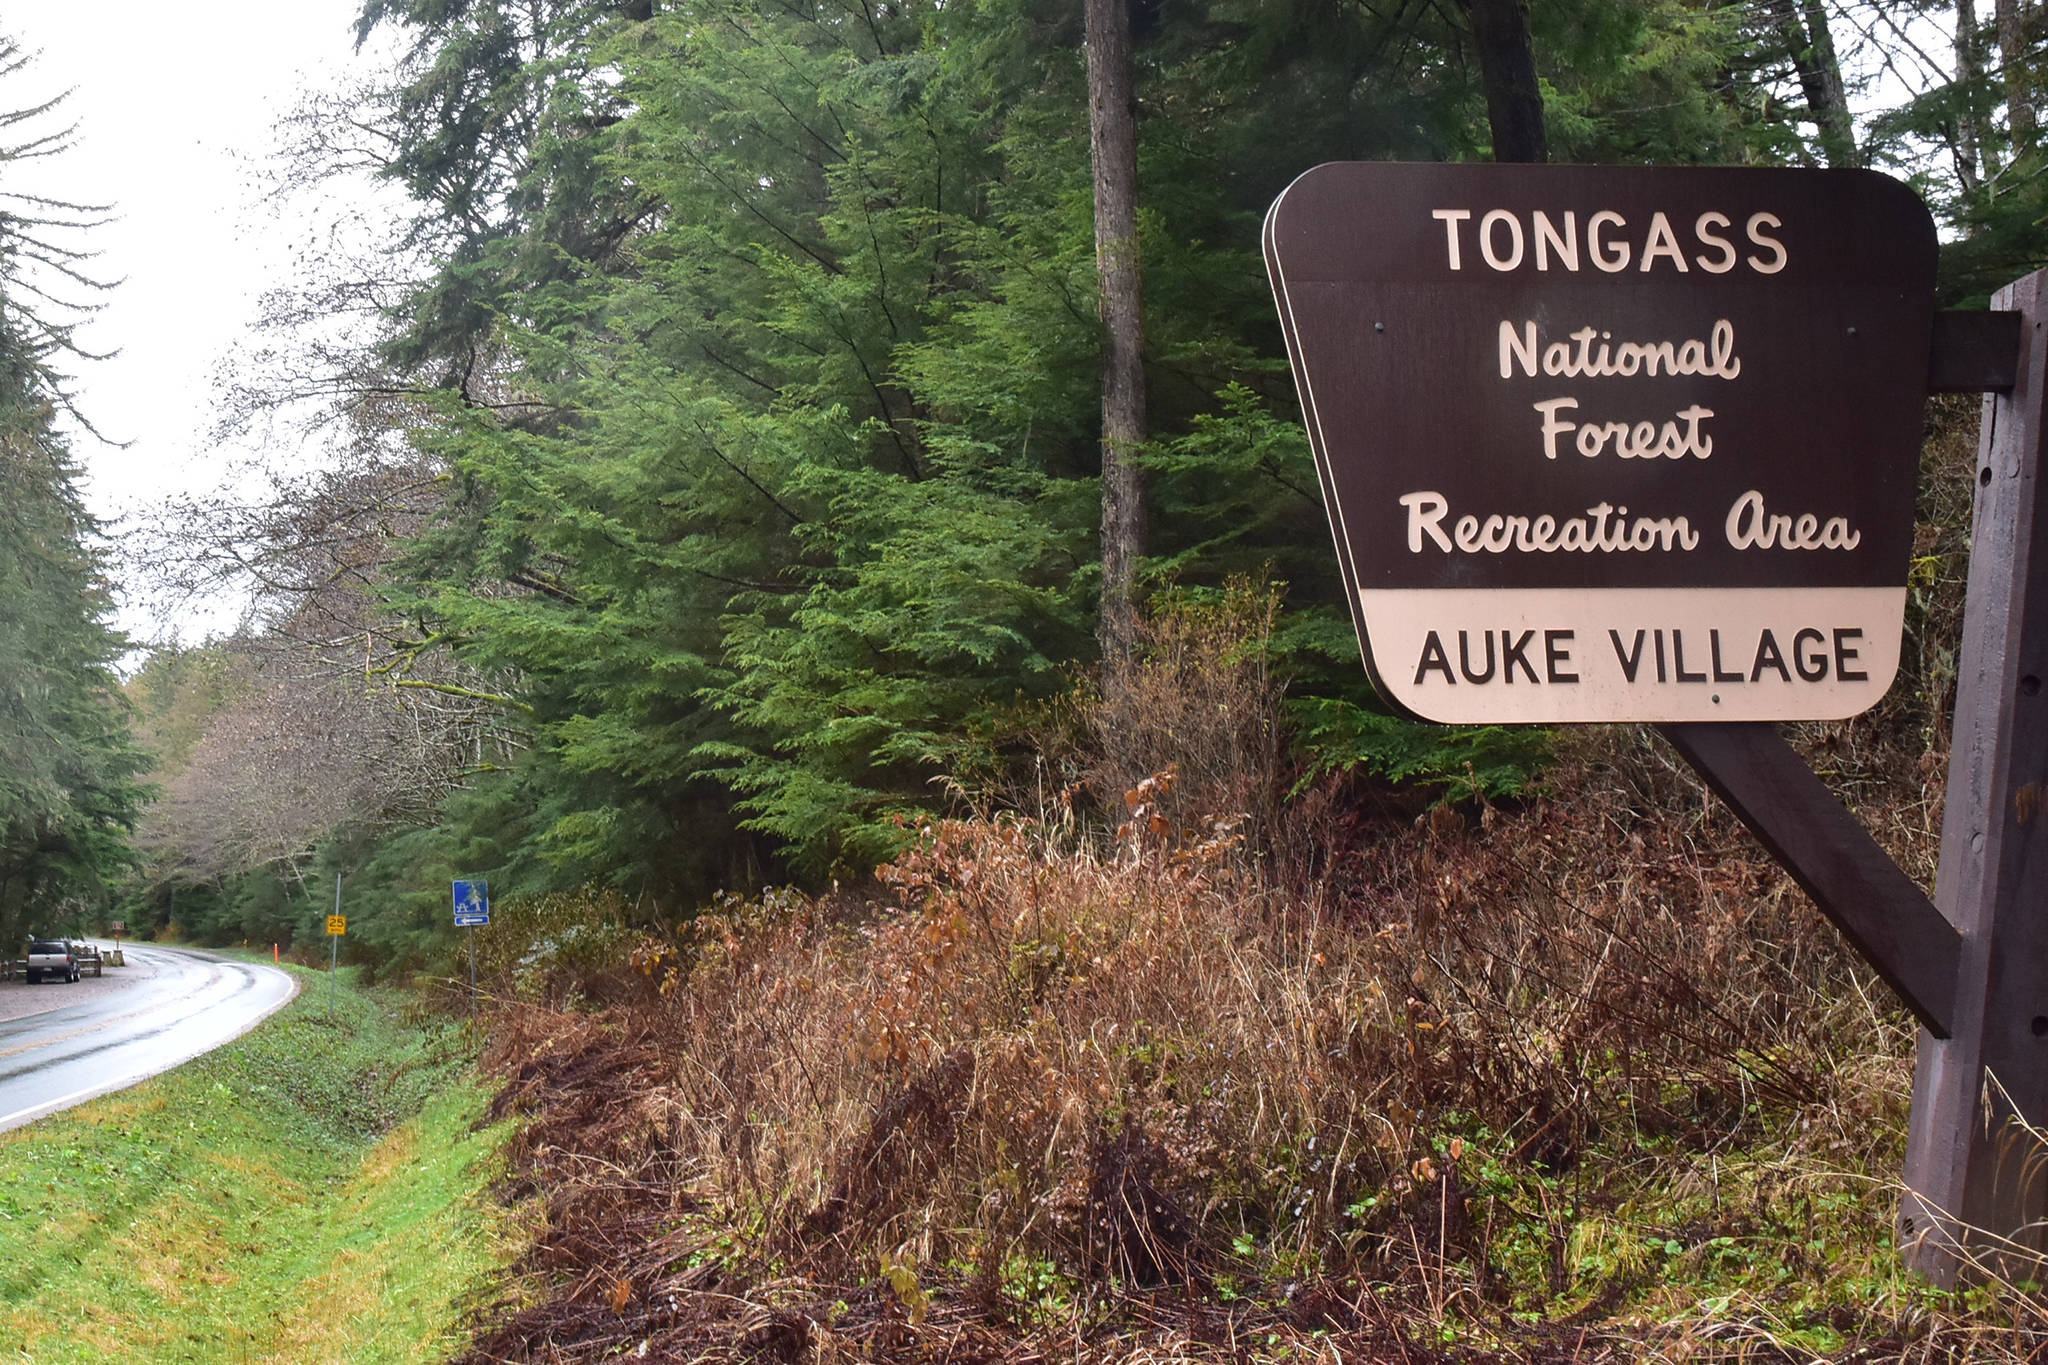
x=69, y=788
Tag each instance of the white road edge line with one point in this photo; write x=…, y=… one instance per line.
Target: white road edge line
x=29, y=1115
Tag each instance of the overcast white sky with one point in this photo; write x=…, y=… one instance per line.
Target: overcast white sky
x=176, y=107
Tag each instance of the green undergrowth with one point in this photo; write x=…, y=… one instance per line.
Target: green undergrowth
x=314, y=1191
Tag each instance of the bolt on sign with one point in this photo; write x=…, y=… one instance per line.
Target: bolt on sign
x=1614, y=443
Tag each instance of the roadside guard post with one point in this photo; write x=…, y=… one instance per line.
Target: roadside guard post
x=472, y=908
x=1642, y=444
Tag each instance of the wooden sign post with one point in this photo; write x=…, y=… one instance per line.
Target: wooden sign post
x=1978, y=1179
x=1543, y=345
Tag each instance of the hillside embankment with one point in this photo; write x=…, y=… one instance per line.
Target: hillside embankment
x=1579, y=1078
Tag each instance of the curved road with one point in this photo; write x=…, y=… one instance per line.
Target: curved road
x=165, y=1007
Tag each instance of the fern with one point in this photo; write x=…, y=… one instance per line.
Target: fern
x=1463, y=761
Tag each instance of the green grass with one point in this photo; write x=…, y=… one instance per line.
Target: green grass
x=311, y=1192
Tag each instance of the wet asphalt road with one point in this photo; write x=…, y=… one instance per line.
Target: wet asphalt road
x=165, y=1007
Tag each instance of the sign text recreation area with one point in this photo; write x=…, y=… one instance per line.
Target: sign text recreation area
x=1606, y=443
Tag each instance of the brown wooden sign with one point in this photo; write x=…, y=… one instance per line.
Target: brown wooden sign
x=1607, y=443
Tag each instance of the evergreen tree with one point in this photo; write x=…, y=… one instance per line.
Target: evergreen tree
x=761, y=356
x=69, y=788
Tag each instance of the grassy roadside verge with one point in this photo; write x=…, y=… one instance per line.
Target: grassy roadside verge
x=311, y=1192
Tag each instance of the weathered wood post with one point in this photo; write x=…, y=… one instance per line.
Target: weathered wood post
x=1977, y=1179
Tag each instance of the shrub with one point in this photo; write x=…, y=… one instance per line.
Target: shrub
x=565, y=950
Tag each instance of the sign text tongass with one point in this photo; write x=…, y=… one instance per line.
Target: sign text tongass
x=1605, y=443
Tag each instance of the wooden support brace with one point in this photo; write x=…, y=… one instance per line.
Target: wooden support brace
x=1882, y=911
x=1878, y=908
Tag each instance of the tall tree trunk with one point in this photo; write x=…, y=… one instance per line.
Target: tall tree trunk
x=1969, y=74
x=1113, y=139
x=1803, y=28
x=1507, y=72
x=2015, y=58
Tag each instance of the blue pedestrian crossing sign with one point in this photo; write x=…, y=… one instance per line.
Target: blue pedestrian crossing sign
x=472, y=904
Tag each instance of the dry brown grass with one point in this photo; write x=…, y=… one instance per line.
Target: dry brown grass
x=1032, y=1095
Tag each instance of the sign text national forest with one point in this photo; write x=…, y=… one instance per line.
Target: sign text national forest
x=1605, y=443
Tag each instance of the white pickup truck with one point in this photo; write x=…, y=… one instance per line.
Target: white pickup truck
x=51, y=957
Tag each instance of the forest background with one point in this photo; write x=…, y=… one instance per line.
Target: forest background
x=848, y=444
x=716, y=479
